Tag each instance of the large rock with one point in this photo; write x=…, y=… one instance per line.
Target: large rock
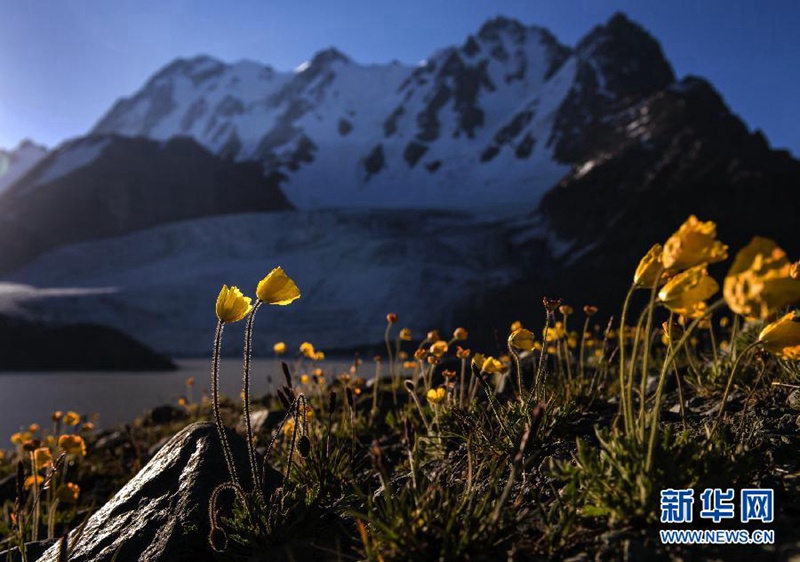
x=162, y=514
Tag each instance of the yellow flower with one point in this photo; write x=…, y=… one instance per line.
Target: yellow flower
x=521, y=339
x=277, y=288
x=686, y=292
x=462, y=353
x=759, y=282
x=56, y=416
x=460, y=334
x=72, y=444
x=307, y=349
x=19, y=438
x=288, y=427
x=319, y=356
x=68, y=493
x=72, y=418
x=304, y=379
x=487, y=364
x=433, y=336
x=33, y=428
x=405, y=334
x=516, y=325
x=693, y=244
x=439, y=348
x=391, y=318
x=477, y=360
x=232, y=305
x=565, y=309
x=782, y=337
x=436, y=395
x=648, y=272
x=30, y=480
x=42, y=457
x=279, y=348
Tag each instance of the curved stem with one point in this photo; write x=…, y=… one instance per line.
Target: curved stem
x=226, y=449
x=623, y=408
x=251, y=453
x=728, y=386
x=662, y=377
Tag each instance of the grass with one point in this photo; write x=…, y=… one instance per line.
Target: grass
x=437, y=452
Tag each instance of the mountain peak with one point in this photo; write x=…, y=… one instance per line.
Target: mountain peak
x=500, y=24
x=329, y=56
x=630, y=59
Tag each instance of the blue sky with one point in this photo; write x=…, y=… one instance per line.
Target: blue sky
x=64, y=62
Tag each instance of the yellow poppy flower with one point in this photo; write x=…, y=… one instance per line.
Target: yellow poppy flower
x=30, y=480
x=68, y=493
x=487, y=364
x=405, y=334
x=277, y=288
x=516, y=325
x=686, y=292
x=759, y=282
x=33, y=428
x=649, y=271
x=72, y=444
x=20, y=437
x=42, y=457
x=436, y=395
x=462, y=353
x=279, y=348
x=72, y=418
x=460, y=334
x=307, y=349
x=232, y=305
x=521, y=339
x=319, y=356
x=439, y=348
x=288, y=427
x=693, y=244
x=782, y=337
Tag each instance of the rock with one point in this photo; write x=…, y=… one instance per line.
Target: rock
x=261, y=420
x=162, y=513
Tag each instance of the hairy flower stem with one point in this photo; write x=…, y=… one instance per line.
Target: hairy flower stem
x=488, y=392
x=251, y=452
x=623, y=407
x=226, y=449
x=391, y=362
x=520, y=390
x=581, y=360
x=648, y=330
x=538, y=383
x=671, y=355
x=749, y=398
x=721, y=413
x=418, y=404
x=463, y=381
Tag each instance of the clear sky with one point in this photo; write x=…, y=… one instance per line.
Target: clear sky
x=64, y=62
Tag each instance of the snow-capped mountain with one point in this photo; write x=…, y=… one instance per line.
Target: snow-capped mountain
x=16, y=163
x=489, y=123
x=459, y=190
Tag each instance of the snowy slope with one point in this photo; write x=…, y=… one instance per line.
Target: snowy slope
x=475, y=125
x=16, y=163
x=160, y=285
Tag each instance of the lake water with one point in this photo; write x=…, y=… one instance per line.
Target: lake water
x=119, y=397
